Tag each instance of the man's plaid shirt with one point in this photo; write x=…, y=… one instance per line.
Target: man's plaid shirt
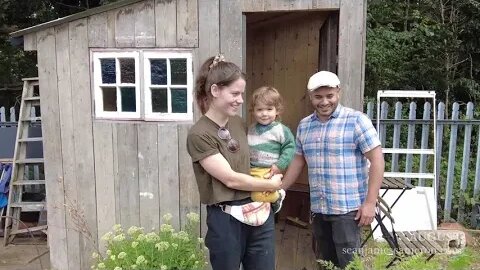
x=334, y=152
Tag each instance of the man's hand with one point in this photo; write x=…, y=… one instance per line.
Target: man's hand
x=365, y=214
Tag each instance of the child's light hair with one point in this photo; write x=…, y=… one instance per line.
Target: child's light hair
x=269, y=96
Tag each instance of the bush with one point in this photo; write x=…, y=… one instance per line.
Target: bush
x=162, y=250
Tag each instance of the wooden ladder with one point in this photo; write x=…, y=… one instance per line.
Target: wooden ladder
x=21, y=176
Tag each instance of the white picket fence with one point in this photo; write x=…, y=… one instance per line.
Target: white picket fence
x=3, y=116
x=458, y=177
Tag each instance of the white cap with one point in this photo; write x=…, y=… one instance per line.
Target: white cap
x=323, y=78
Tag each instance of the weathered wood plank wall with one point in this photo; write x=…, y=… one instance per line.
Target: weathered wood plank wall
x=54, y=176
x=83, y=135
x=351, y=52
x=67, y=143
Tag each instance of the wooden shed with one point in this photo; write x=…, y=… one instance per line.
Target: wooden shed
x=116, y=87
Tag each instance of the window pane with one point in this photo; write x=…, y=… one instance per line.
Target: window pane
x=179, y=100
x=127, y=70
x=109, y=99
x=159, y=100
x=128, y=99
x=108, y=70
x=158, y=71
x=178, y=68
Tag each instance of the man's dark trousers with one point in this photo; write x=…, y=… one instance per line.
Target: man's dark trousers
x=337, y=237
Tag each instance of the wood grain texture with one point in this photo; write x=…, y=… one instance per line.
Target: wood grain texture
x=98, y=30
x=351, y=52
x=169, y=179
x=30, y=42
x=148, y=175
x=145, y=24
x=125, y=27
x=67, y=126
x=253, y=5
x=104, y=179
x=47, y=72
x=83, y=140
x=187, y=23
x=165, y=14
x=189, y=196
x=231, y=31
x=128, y=186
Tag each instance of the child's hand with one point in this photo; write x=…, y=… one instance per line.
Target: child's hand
x=275, y=170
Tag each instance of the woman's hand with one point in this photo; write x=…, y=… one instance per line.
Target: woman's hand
x=276, y=181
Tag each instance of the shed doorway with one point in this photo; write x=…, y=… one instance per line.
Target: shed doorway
x=283, y=49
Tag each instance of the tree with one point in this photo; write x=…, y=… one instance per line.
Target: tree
x=424, y=44
x=16, y=64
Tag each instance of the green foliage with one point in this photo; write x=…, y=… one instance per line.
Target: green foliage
x=380, y=260
x=463, y=260
x=163, y=250
x=425, y=44
x=356, y=264
x=16, y=64
x=417, y=262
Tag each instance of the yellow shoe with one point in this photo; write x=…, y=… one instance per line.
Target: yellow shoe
x=266, y=196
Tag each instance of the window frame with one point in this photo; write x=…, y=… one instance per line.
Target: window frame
x=142, y=84
x=169, y=116
x=100, y=113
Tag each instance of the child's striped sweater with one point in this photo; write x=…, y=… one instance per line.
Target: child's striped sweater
x=271, y=144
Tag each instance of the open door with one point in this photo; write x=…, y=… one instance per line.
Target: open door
x=283, y=50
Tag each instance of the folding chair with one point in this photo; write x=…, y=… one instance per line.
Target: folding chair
x=404, y=243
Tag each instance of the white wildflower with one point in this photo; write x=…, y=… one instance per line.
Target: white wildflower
x=107, y=237
x=134, y=230
x=140, y=260
x=117, y=228
x=193, y=217
x=167, y=218
x=166, y=228
x=122, y=255
x=162, y=246
x=141, y=237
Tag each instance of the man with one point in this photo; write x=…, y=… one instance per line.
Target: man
x=336, y=142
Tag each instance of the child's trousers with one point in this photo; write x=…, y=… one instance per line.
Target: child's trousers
x=258, y=196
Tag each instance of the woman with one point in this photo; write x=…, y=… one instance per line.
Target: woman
x=239, y=231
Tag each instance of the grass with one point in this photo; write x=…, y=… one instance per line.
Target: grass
x=376, y=255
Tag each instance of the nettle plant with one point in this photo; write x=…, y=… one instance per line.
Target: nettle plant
x=165, y=249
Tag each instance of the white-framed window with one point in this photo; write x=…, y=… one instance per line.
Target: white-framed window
x=150, y=85
x=168, y=86
x=117, y=85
